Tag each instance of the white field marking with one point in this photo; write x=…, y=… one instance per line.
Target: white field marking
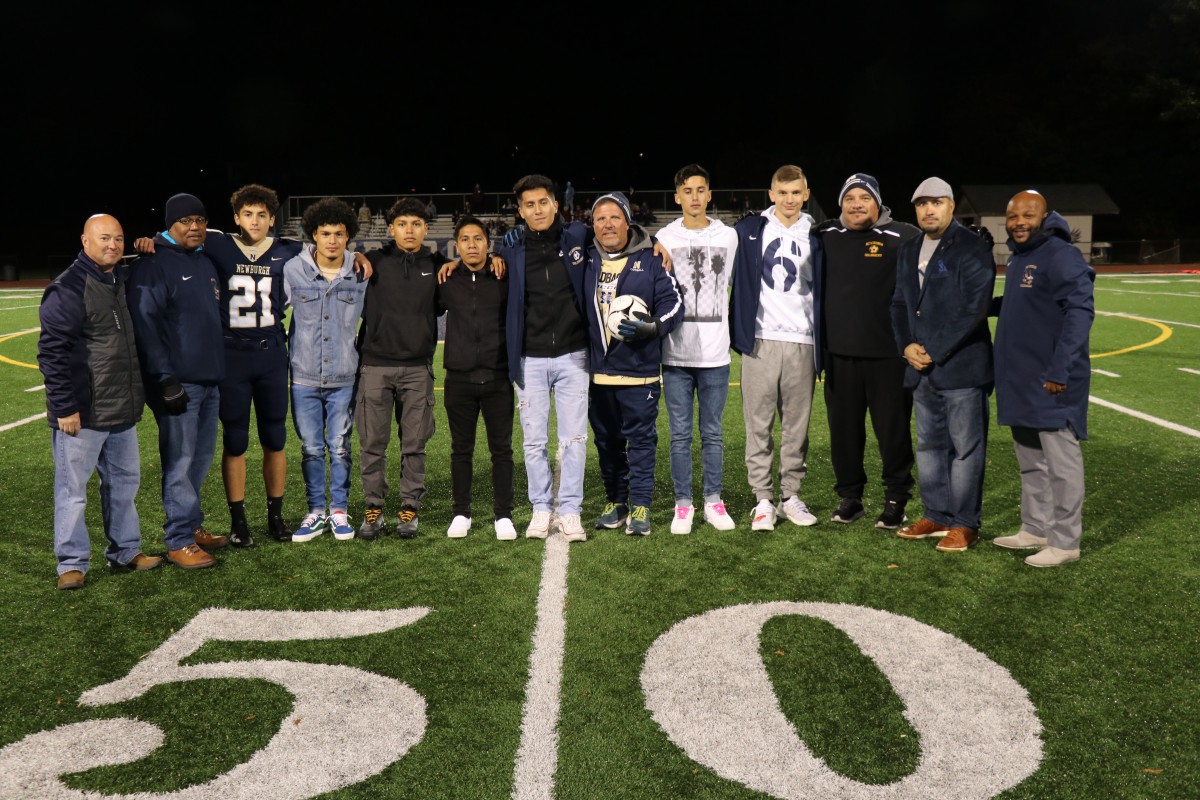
x=36, y=388
x=21, y=422
x=706, y=686
x=16, y=308
x=1134, y=280
x=1162, y=423
x=19, y=333
x=1155, y=294
x=1151, y=319
x=1105, y=373
x=1188, y=369
x=537, y=754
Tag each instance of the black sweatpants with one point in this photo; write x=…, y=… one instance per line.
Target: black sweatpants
x=465, y=400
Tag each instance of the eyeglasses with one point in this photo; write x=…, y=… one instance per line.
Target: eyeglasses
x=188, y=222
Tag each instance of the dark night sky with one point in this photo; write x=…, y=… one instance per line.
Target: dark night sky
x=115, y=110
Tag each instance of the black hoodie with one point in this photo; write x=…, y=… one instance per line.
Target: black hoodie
x=400, y=313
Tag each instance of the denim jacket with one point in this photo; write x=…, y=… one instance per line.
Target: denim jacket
x=324, y=323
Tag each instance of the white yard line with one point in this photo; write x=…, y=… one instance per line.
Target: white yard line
x=21, y=422
x=1162, y=423
x=1155, y=294
x=1187, y=369
x=1151, y=319
x=537, y=754
x=16, y=308
x=1103, y=372
x=36, y=388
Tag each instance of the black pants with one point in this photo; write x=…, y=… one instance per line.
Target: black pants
x=855, y=387
x=464, y=401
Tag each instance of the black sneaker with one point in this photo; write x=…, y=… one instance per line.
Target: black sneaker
x=850, y=510
x=278, y=529
x=373, y=525
x=892, y=516
x=406, y=522
x=239, y=534
x=613, y=515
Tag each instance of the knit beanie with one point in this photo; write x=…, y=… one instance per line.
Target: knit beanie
x=184, y=205
x=861, y=180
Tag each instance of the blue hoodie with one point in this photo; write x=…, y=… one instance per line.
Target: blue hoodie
x=1042, y=332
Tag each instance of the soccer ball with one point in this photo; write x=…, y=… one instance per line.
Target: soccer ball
x=622, y=308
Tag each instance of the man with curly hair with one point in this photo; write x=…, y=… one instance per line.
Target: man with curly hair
x=326, y=296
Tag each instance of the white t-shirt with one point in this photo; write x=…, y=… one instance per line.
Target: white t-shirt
x=702, y=261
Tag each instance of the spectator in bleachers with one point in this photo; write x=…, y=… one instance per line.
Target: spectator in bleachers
x=431, y=209
x=364, y=213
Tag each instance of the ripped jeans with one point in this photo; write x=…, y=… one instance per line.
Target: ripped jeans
x=566, y=377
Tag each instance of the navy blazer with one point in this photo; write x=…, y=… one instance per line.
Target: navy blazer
x=948, y=315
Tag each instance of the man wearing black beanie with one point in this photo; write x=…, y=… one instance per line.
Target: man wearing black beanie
x=174, y=300
x=864, y=372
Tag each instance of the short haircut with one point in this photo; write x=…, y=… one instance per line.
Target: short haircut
x=533, y=182
x=467, y=219
x=691, y=171
x=407, y=207
x=329, y=211
x=254, y=194
x=788, y=173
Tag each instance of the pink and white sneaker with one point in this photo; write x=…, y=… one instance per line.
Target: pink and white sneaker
x=682, y=522
x=716, y=515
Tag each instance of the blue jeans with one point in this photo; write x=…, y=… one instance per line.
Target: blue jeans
x=710, y=388
x=952, y=428
x=186, y=443
x=566, y=378
x=323, y=420
x=115, y=455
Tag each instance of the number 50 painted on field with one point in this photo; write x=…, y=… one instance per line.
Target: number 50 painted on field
x=704, y=682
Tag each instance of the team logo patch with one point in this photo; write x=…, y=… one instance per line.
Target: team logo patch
x=637, y=266
x=1027, y=277
x=873, y=250
x=575, y=256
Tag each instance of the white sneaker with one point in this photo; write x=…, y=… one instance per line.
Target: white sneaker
x=763, y=516
x=505, y=531
x=572, y=528
x=539, y=525
x=797, y=512
x=682, y=523
x=459, y=527
x=716, y=515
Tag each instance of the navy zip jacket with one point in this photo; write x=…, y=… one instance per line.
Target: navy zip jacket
x=1042, y=333
x=174, y=297
x=572, y=250
x=747, y=283
x=948, y=315
x=645, y=277
x=86, y=349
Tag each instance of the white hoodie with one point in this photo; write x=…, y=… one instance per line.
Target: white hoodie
x=785, y=301
x=702, y=261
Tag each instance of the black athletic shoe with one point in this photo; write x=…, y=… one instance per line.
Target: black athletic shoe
x=892, y=516
x=406, y=522
x=850, y=510
x=373, y=524
x=278, y=529
x=239, y=534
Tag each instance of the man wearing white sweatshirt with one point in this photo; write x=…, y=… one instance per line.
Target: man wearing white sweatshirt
x=696, y=354
x=771, y=324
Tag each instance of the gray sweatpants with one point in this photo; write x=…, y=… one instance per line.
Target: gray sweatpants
x=777, y=378
x=408, y=392
x=1051, y=484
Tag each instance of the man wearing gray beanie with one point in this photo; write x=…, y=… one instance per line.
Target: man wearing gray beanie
x=864, y=372
x=174, y=302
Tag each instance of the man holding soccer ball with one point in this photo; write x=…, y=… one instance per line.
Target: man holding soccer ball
x=632, y=303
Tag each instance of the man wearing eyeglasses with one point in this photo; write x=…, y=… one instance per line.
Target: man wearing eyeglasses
x=174, y=300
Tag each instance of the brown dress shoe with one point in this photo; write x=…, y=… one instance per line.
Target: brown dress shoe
x=71, y=579
x=923, y=528
x=139, y=562
x=210, y=541
x=190, y=557
x=958, y=540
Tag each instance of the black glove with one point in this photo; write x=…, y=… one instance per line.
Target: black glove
x=638, y=328
x=514, y=236
x=175, y=399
